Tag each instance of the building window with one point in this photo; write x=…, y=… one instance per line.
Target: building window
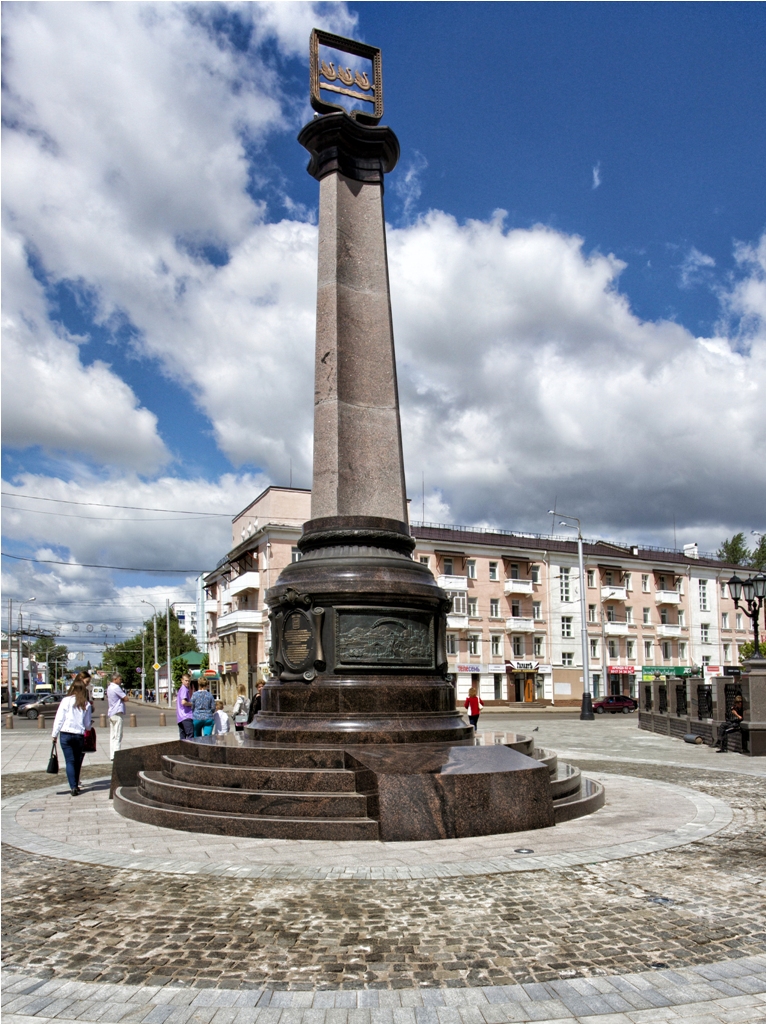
x=628, y=580
x=537, y=610
x=518, y=646
x=497, y=645
x=647, y=616
x=516, y=609
x=449, y=567
x=424, y=560
x=564, y=583
x=296, y=554
x=594, y=649
x=667, y=650
x=473, y=643
x=664, y=616
x=493, y=570
x=681, y=617
x=703, y=596
x=724, y=620
x=679, y=584
x=498, y=687
x=539, y=646
x=494, y=607
x=566, y=625
x=727, y=652
x=592, y=613
x=514, y=570
x=473, y=607
x=705, y=659
x=451, y=643
x=613, y=651
x=662, y=583
x=645, y=582
x=471, y=568
x=648, y=650
x=458, y=602
x=534, y=573
x=724, y=591
x=682, y=651
x=591, y=578
x=630, y=649
x=628, y=614
x=610, y=613
x=567, y=659
x=705, y=632
x=608, y=577
x=738, y=620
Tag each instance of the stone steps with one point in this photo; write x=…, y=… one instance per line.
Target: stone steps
x=157, y=786
x=133, y=804
x=266, y=755
x=189, y=770
x=588, y=797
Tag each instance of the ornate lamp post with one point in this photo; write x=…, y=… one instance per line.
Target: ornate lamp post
x=754, y=591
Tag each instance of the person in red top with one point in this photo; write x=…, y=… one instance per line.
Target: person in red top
x=474, y=703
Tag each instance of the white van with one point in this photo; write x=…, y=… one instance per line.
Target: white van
x=97, y=692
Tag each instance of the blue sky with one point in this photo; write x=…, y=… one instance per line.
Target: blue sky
x=600, y=341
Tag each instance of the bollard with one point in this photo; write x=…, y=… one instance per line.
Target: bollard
x=133, y=722
x=9, y=721
x=41, y=721
x=162, y=718
x=102, y=721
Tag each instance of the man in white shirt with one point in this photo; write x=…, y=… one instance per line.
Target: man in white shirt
x=116, y=698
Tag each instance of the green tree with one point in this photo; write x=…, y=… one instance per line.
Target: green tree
x=180, y=667
x=125, y=658
x=204, y=665
x=734, y=550
x=748, y=650
x=45, y=650
x=758, y=556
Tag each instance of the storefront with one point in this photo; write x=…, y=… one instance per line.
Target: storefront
x=528, y=681
x=621, y=680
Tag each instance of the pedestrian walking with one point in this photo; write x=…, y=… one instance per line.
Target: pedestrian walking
x=203, y=709
x=220, y=719
x=116, y=698
x=184, y=716
x=72, y=720
x=241, y=708
x=474, y=703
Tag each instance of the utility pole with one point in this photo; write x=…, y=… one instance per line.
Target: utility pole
x=143, y=665
x=167, y=618
x=586, y=710
x=10, y=659
x=156, y=663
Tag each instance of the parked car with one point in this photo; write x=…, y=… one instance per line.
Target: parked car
x=47, y=705
x=615, y=703
x=23, y=698
x=97, y=692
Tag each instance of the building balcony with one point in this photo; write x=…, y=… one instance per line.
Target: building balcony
x=211, y=605
x=667, y=597
x=617, y=628
x=241, y=621
x=518, y=587
x=453, y=582
x=247, y=581
x=516, y=624
x=457, y=621
x=609, y=593
x=668, y=629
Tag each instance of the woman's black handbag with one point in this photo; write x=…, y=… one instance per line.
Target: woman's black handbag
x=53, y=761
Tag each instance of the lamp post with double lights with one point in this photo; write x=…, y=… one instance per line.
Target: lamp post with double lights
x=586, y=709
x=156, y=671
x=753, y=589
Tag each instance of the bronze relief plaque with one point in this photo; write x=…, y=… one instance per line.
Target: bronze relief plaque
x=384, y=638
x=297, y=640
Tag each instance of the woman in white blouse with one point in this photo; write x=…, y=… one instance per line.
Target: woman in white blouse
x=72, y=720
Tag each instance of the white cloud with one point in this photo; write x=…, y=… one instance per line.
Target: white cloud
x=408, y=185
x=693, y=267
x=596, y=175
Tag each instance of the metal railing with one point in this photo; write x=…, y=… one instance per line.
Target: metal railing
x=704, y=701
x=648, y=697
x=663, y=700
x=682, y=704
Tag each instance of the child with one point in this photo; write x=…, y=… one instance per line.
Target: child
x=220, y=719
x=473, y=702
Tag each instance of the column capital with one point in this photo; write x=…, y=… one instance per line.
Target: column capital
x=338, y=143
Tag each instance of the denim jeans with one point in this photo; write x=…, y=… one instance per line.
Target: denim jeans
x=185, y=729
x=73, y=749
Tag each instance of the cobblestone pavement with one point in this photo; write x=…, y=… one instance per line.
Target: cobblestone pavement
x=636, y=940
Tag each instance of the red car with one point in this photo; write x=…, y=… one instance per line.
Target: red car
x=615, y=703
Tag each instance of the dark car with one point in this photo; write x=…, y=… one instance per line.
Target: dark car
x=47, y=704
x=615, y=703
x=24, y=698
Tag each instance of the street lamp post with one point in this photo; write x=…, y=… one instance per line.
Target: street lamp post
x=586, y=709
x=156, y=671
x=754, y=591
x=21, y=648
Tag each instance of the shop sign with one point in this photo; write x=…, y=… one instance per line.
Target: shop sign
x=231, y=666
x=524, y=666
x=621, y=670
x=474, y=670
x=732, y=670
x=650, y=671
x=712, y=670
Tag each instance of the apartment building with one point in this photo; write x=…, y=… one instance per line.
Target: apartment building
x=514, y=630
x=186, y=613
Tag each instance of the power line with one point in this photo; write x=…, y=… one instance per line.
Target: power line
x=103, y=504
x=112, y=519
x=92, y=565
